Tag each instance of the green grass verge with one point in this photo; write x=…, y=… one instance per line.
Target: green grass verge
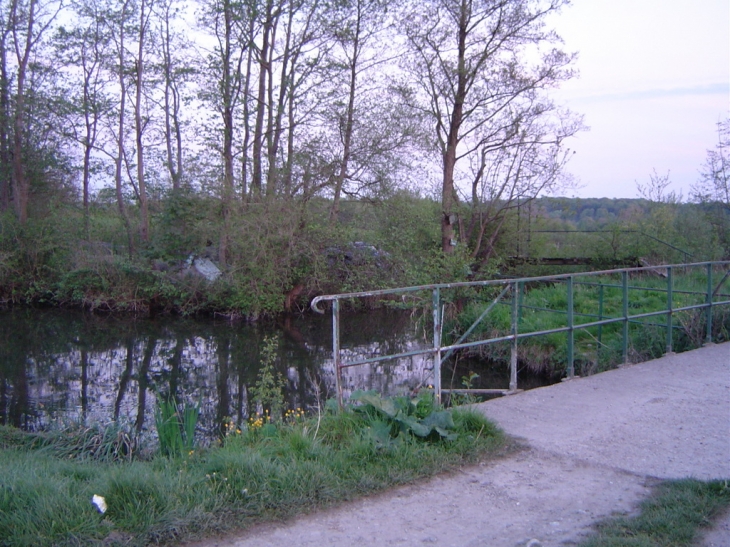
x=544, y=307
x=673, y=517
x=263, y=473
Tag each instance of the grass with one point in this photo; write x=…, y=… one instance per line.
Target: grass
x=544, y=307
x=674, y=516
x=265, y=472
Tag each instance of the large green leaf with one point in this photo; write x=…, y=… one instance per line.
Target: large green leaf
x=439, y=418
x=404, y=414
x=410, y=424
x=386, y=406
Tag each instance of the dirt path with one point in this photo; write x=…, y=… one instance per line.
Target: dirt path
x=594, y=447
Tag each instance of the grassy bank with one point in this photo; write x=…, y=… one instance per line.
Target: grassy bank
x=675, y=516
x=543, y=306
x=266, y=471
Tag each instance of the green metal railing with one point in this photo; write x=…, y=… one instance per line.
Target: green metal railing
x=711, y=296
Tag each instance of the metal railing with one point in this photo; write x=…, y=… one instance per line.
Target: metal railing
x=711, y=297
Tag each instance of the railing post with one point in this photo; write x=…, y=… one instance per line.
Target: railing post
x=571, y=331
x=625, y=292
x=600, y=316
x=670, y=285
x=336, y=349
x=437, y=344
x=513, y=349
x=708, y=301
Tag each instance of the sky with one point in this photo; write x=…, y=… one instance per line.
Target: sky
x=654, y=81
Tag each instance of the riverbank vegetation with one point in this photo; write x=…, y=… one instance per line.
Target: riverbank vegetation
x=675, y=515
x=267, y=470
x=300, y=148
x=543, y=306
x=278, y=262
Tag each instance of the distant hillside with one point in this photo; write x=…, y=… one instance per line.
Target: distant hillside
x=594, y=213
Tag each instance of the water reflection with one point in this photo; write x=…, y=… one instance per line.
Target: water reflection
x=67, y=365
x=70, y=365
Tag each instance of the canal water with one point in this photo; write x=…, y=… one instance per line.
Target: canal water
x=60, y=365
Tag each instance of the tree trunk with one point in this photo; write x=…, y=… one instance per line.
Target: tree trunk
x=349, y=121
x=21, y=190
x=246, y=115
x=258, y=136
x=5, y=166
x=118, y=161
x=144, y=228
x=229, y=93
x=173, y=136
x=447, y=190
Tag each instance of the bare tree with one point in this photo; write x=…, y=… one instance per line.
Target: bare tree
x=471, y=62
x=295, y=65
x=83, y=47
x=118, y=22
x=140, y=63
x=508, y=177
x=355, y=26
x=714, y=183
x=5, y=112
x=713, y=188
x=174, y=76
x=230, y=24
x=270, y=18
x=655, y=190
x=28, y=22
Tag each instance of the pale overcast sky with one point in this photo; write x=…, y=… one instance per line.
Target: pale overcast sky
x=654, y=81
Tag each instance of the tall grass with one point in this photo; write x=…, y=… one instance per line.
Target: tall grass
x=175, y=428
x=266, y=472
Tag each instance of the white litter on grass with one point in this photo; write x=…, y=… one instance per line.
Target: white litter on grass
x=99, y=502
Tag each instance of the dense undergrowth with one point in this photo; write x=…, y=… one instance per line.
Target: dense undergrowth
x=267, y=470
x=273, y=256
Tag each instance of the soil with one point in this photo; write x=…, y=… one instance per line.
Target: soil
x=584, y=450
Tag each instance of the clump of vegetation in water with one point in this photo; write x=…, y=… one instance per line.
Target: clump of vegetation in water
x=268, y=391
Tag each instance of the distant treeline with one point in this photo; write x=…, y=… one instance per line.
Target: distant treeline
x=589, y=213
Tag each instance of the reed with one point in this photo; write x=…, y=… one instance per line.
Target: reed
x=175, y=427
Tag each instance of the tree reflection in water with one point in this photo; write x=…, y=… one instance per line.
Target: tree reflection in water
x=68, y=365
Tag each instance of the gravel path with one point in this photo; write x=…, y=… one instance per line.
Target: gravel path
x=594, y=447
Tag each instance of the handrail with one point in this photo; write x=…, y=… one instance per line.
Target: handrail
x=515, y=287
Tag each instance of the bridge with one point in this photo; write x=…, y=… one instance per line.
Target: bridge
x=659, y=297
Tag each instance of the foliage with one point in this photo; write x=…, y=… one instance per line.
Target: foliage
x=108, y=443
x=276, y=263
x=175, y=427
x=292, y=468
x=543, y=306
x=713, y=188
x=467, y=382
x=268, y=391
x=396, y=416
x=673, y=517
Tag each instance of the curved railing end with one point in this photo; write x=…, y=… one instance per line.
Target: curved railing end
x=315, y=305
